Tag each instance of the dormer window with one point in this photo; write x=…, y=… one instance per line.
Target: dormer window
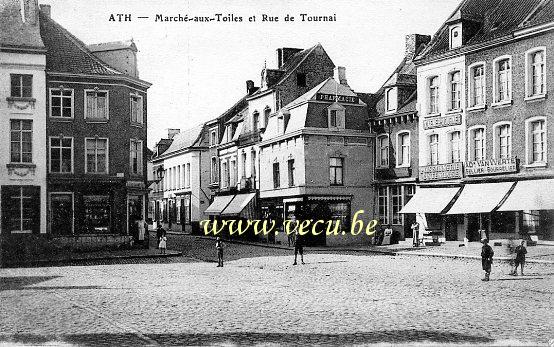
x=455, y=36
x=335, y=115
x=391, y=100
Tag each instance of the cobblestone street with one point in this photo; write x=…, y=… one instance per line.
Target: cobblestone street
x=333, y=299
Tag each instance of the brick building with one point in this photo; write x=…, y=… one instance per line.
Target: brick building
x=394, y=121
x=96, y=140
x=485, y=122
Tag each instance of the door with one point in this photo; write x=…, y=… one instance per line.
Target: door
x=61, y=214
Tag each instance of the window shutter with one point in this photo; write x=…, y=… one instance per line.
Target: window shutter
x=90, y=107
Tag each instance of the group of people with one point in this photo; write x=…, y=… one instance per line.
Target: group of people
x=487, y=254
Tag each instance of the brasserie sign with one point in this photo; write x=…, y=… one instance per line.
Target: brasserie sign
x=440, y=172
x=441, y=122
x=490, y=167
x=341, y=98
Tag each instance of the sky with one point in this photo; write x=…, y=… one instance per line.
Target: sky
x=199, y=69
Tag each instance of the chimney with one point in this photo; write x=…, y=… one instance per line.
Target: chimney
x=120, y=54
x=172, y=132
x=284, y=54
x=414, y=44
x=249, y=87
x=30, y=12
x=340, y=75
x=46, y=10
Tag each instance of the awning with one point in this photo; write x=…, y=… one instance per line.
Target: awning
x=219, y=204
x=239, y=203
x=530, y=195
x=480, y=198
x=430, y=200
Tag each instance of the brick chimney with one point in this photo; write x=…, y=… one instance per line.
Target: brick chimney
x=340, y=75
x=284, y=54
x=46, y=10
x=414, y=44
x=30, y=12
x=172, y=132
x=120, y=54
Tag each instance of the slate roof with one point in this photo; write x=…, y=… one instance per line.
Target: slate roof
x=66, y=53
x=13, y=31
x=186, y=139
x=113, y=46
x=498, y=18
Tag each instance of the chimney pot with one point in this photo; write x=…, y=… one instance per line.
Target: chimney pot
x=413, y=43
x=46, y=10
x=340, y=75
x=172, y=132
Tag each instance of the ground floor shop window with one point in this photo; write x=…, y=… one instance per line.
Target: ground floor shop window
x=135, y=214
x=61, y=213
x=341, y=211
x=383, y=202
x=97, y=214
x=397, y=204
x=20, y=209
x=184, y=212
x=531, y=221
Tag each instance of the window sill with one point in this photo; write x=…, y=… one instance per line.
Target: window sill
x=21, y=166
x=403, y=166
x=62, y=119
x=539, y=97
x=21, y=231
x=89, y=120
x=337, y=185
x=381, y=167
x=477, y=108
x=137, y=125
x=449, y=112
x=390, y=112
x=433, y=115
x=20, y=99
x=502, y=104
x=536, y=165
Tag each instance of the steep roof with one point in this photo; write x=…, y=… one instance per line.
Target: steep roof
x=16, y=33
x=66, y=53
x=186, y=139
x=497, y=18
x=329, y=86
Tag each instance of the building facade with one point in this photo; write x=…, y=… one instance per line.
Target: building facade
x=96, y=142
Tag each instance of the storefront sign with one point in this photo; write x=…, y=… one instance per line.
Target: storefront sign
x=333, y=98
x=441, y=122
x=490, y=167
x=135, y=184
x=440, y=172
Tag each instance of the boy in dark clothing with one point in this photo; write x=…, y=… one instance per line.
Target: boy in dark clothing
x=486, y=258
x=299, y=248
x=219, y=247
x=160, y=232
x=521, y=251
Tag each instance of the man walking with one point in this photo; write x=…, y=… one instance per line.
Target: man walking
x=521, y=251
x=219, y=247
x=415, y=233
x=299, y=247
x=486, y=258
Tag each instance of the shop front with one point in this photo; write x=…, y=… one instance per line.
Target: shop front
x=239, y=207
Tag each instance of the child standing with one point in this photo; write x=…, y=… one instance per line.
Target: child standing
x=163, y=244
x=521, y=251
x=219, y=247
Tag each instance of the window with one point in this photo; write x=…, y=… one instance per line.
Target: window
x=213, y=137
x=383, y=202
x=136, y=157
x=21, y=139
x=477, y=86
x=214, y=170
x=21, y=209
x=255, y=121
x=243, y=164
x=434, y=149
x=391, y=99
x=477, y=144
x=454, y=139
x=503, y=80
x=504, y=141
x=403, y=145
x=434, y=95
x=276, y=176
x=233, y=173
x=536, y=139
x=535, y=72
x=267, y=112
x=187, y=176
x=96, y=155
x=336, y=171
x=290, y=163
x=397, y=204
x=280, y=124
x=21, y=86
x=96, y=106
x=332, y=118
x=383, y=151
x=97, y=214
x=455, y=91
x=61, y=154
x=61, y=103
x=253, y=164
x=336, y=114
x=455, y=36
x=225, y=173
x=301, y=79
x=136, y=109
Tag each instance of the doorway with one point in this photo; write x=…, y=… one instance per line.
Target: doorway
x=61, y=213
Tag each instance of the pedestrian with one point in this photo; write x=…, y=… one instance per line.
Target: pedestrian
x=141, y=225
x=159, y=233
x=415, y=233
x=163, y=244
x=219, y=247
x=486, y=258
x=299, y=247
x=521, y=251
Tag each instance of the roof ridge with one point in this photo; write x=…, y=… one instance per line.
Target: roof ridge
x=291, y=70
x=534, y=11
x=82, y=46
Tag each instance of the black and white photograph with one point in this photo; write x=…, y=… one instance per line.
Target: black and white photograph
x=276, y=173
